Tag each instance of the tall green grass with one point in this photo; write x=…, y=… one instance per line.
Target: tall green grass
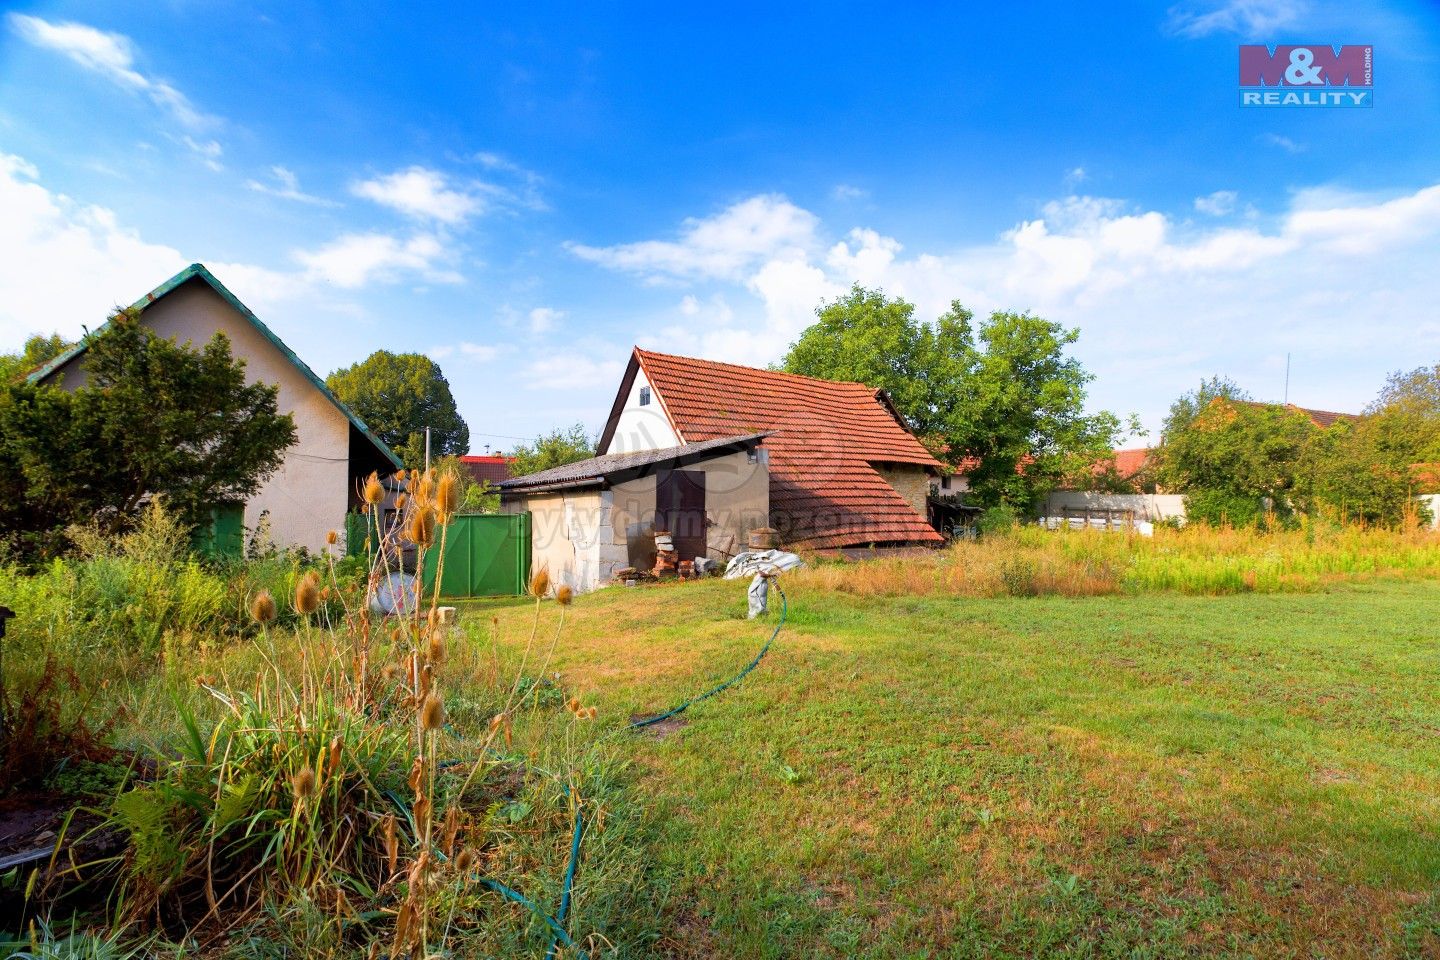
x=1029, y=561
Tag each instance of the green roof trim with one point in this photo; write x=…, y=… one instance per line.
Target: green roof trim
x=199, y=271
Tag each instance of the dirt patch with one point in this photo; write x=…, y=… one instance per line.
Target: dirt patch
x=687, y=937
x=31, y=827
x=660, y=729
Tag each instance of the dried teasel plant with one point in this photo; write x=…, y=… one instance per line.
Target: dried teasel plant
x=307, y=595
x=262, y=608
x=373, y=491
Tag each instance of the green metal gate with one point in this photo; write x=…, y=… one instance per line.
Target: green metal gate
x=486, y=555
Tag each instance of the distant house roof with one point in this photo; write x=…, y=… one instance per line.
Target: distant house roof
x=198, y=272
x=1321, y=418
x=1130, y=462
x=618, y=467
x=829, y=437
x=488, y=469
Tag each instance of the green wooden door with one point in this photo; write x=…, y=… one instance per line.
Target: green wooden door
x=223, y=537
x=485, y=556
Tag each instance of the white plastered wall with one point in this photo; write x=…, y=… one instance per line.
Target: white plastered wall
x=566, y=531
x=642, y=427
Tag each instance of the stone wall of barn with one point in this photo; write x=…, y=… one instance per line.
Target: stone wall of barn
x=911, y=482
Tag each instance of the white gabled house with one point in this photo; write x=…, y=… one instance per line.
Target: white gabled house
x=317, y=483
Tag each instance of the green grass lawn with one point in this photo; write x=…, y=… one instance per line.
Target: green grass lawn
x=1114, y=776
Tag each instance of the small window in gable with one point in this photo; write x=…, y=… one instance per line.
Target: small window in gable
x=644, y=396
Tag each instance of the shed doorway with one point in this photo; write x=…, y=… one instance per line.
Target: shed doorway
x=680, y=508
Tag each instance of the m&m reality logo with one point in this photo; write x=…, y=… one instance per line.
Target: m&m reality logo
x=1308, y=75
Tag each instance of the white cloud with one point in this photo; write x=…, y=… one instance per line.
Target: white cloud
x=725, y=245
x=478, y=352
x=209, y=151
x=845, y=191
x=577, y=369
x=1161, y=301
x=420, y=193
x=287, y=187
x=64, y=265
x=543, y=319
x=359, y=259
x=1218, y=204
x=1252, y=19
x=1284, y=143
x=112, y=56
x=1075, y=175
x=48, y=240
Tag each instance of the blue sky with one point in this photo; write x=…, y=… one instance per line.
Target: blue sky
x=525, y=194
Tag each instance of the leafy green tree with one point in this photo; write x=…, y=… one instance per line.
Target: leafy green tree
x=869, y=338
x=1348, y=473
x=1373, y=468
x=1005, y=395
x=1234, y=460
x=553, y=449
x=1406, y=417
x=152, y=419
x=398, y=395
x=37, y=350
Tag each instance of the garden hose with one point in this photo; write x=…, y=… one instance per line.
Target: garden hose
x=568, y=886
x=559, y=937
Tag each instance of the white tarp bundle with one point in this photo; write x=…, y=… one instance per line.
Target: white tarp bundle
x=397, y=593
x=751, y=562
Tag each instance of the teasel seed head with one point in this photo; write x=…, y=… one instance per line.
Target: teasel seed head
x=435, y=652
x=464, y=860
x=447, y=495
x=592, y=713
x=307, y=595
x=540, y=583
x=422, y=527
x=262, y=608
x=332, y=538
x=303, y=783
x=374, y=490
x=564, y=595
x=432, y=714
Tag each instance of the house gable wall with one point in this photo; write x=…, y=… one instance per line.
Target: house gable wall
x=910, y=481
x=308, y=495
x=641, y=427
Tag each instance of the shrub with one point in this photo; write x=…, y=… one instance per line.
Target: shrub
x=1220, y=508
x=998, y=519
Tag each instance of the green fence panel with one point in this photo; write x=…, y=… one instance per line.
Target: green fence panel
x=485, y=556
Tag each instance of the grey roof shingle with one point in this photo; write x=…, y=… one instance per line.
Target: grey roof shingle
x=594, y=471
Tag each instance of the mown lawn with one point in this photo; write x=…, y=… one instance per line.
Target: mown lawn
x=1113, y=776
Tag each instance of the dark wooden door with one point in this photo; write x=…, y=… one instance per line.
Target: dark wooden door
x=680, y=508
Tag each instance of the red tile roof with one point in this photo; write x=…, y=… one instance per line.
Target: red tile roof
x=824, y=489
x=1321, y=418
x=1130, y=462
x=488, y=469
x=1324, y=418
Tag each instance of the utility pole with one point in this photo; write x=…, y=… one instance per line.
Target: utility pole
x=427, y=441
x=1287, y=383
